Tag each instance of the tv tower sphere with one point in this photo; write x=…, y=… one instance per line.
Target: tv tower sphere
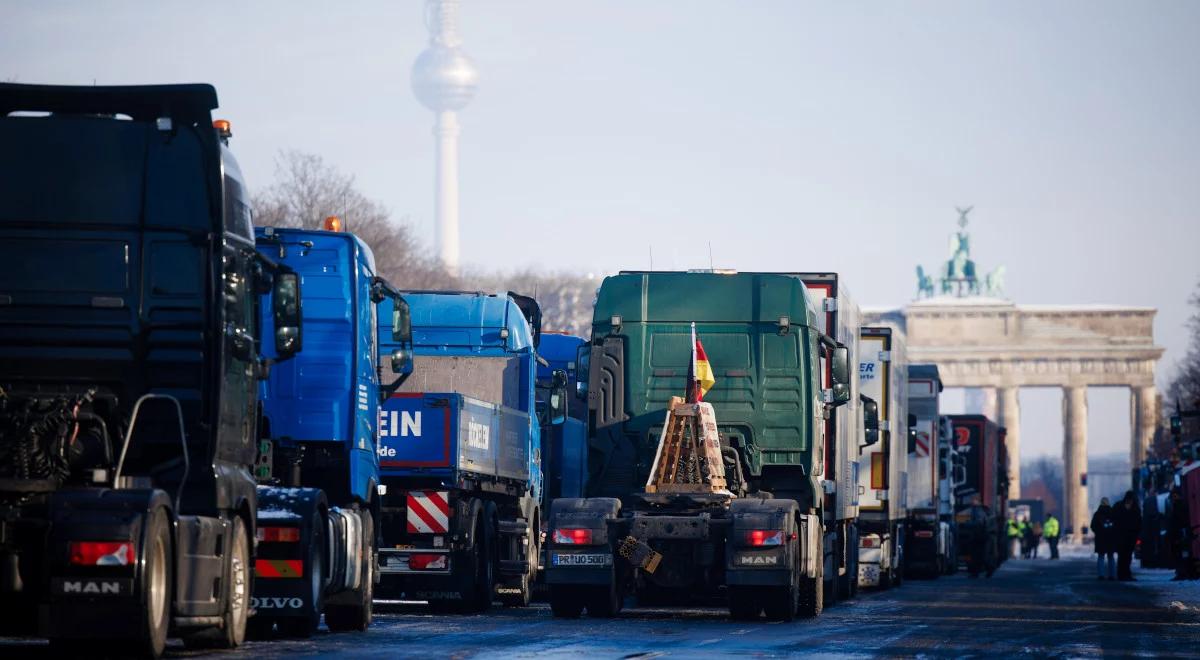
x=444, y=80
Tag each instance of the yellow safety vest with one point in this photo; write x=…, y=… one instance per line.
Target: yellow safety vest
x=1050, y=529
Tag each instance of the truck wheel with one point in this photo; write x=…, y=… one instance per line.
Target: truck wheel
x=481, y=582
x=232, y=632
x=565, y=601
x=812, y=593
x=780, y=603
x=306, y=624
x=155, y=590
x=525, y=585
x=357, y=617
x=604, y=602
x=744, y=604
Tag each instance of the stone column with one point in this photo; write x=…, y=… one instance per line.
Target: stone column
x=1144, y=419
x=1010, y=417
x=1075, y=508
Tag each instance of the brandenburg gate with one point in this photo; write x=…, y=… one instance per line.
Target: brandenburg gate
x=978, y=339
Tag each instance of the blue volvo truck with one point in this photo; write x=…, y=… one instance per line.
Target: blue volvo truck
x=460, y=455
x=317, y=465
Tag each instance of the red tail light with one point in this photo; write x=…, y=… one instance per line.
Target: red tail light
x=764, y=537
x=923, y=534
x=573, y=536
x=428, y=562
x=102, y=553
x=279, y=534
x=869, y=542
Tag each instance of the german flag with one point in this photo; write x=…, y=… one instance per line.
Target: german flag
x=700, y=373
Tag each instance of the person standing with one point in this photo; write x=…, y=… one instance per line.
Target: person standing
x=1050, y=529
x=1014, y=536
x=1035, y=538
x=1179, y=535
x=1104, y=529
x=977, y=522
x=1128, y=518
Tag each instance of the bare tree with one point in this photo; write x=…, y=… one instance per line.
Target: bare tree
x=307, y=190
x=1185, y=385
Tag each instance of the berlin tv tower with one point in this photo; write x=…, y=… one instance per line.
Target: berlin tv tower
x=444, y=80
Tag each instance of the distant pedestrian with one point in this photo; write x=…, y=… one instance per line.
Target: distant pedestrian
x=1179, y=535
x=1035, y=538
x=1013, y=530
x=1023, y=530
x=1050, y=529
x=1128, y=519
x=979, y=529
x=1105, y=530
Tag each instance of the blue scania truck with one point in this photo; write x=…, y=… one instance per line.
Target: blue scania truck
x=460, y=454
x=318, y=467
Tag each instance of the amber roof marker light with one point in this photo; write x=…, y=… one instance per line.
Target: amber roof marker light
x=224, y=129
x=333, y=223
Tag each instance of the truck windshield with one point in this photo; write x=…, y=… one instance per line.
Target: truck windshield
x=97, y=171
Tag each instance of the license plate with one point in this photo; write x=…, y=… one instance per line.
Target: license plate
x=583, y=560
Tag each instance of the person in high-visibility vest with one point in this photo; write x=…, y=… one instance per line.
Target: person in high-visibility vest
x=1050, y=531
x=1014, y=537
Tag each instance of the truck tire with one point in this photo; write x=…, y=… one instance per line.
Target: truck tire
x=156, y=581
x=744, y=603
x=811, y=601
x=481, y=583
x=604, y=601
x=303, y=627
x=357, y=617
x=525, y=595
x=565, y=601
x=232, y=632
x=781, y=602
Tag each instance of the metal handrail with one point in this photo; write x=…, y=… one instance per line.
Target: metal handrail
x=129, y=435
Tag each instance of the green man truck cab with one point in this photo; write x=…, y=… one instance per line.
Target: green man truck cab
x=129, y=359
x=779, y=380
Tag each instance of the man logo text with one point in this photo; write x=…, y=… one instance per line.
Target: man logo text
x=758, y=560
x=91, y=587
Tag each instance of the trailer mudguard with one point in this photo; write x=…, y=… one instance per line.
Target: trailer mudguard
x=747, y=564
x=96, y=601
x=592, y=562
x=282, y=574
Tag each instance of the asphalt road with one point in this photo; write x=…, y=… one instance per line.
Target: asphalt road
x=1031, y=608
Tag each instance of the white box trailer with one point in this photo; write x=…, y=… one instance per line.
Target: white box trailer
x=843, y=434
x=929, y=548
x=883, y=466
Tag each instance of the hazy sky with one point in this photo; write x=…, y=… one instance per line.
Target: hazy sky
x=789, y=135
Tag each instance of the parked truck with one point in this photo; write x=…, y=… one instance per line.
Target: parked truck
x=929, y=549
x=767, y=540
x=564, y=440
x=883, y=470
x=318, y=466
x=460, y=457
x=129, y=358
x=981, y=442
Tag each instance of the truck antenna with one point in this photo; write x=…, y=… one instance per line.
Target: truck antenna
x=710, y=259
x=651, y=257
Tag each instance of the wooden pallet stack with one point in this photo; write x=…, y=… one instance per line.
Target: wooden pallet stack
x=688, y=459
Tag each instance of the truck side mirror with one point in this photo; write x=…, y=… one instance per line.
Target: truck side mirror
x=583, y=360
x=870, y=421
x=558, y=397
x=287, y=314
x=839, y=373
x=401, y=321
x=402, y=363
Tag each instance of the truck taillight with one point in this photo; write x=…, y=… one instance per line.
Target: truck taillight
x=923, y=534
x=869, y=542
x=102, y=553
x=764, y=537
x=278, y=535
x=573, y=536
x=427, y=562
